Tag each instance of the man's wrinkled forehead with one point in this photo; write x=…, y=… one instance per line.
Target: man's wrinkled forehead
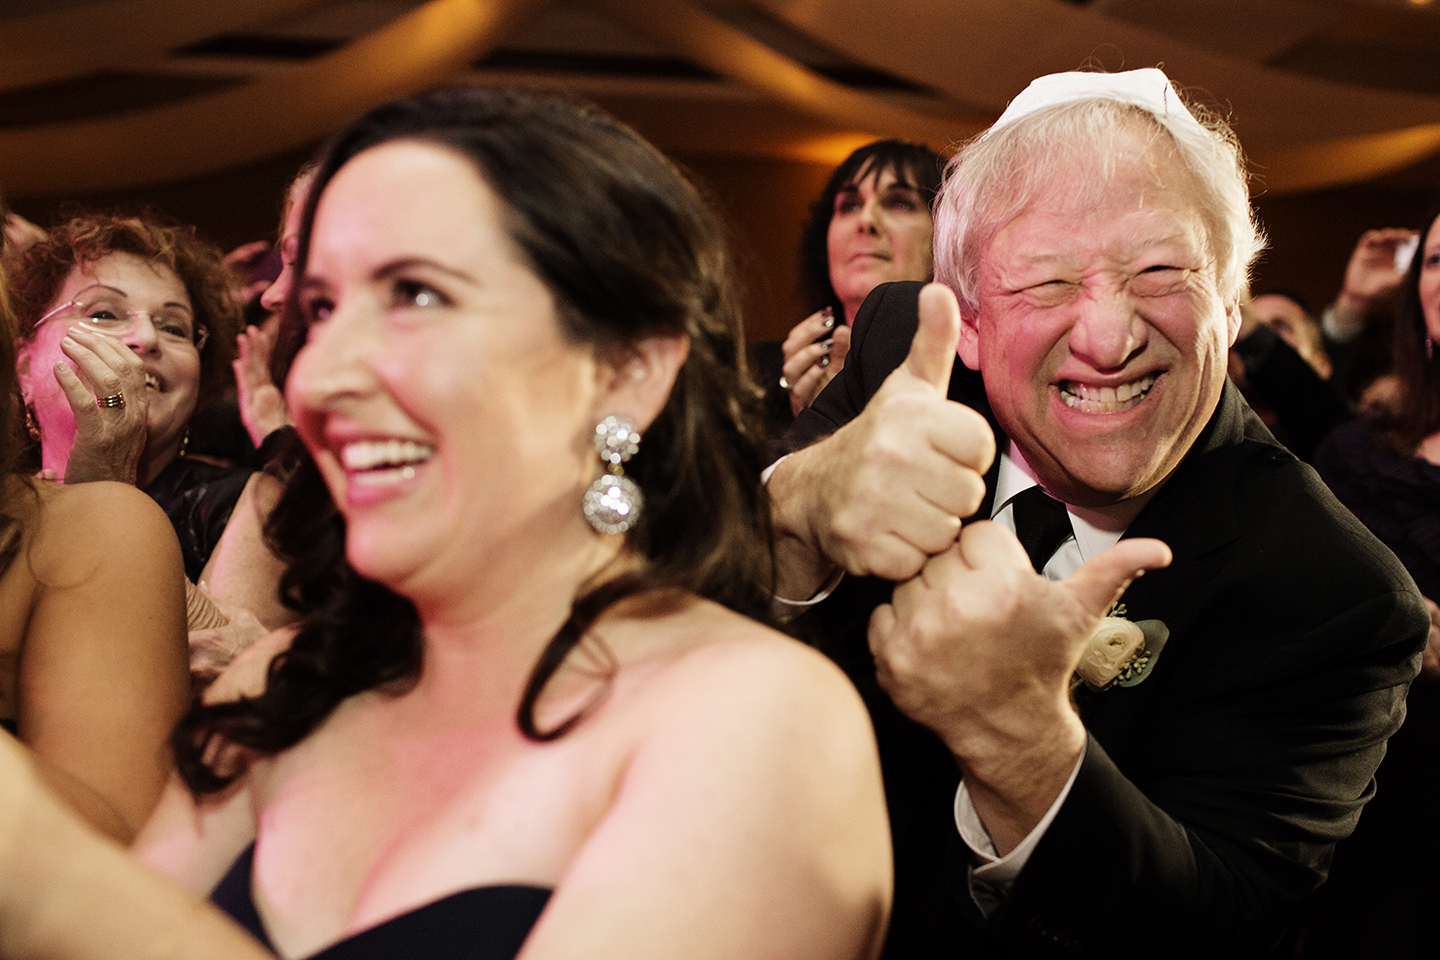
x=1075, y=185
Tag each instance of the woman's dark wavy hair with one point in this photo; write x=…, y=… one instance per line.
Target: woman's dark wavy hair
x=1418, y=415
x=87, y=236
x=10, y=526
x=913, y=164
x=629, y=250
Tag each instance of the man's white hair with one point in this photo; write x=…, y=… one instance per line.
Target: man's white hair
x=1087, y=119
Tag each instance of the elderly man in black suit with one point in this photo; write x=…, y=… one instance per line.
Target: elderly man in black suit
x=1172, y=785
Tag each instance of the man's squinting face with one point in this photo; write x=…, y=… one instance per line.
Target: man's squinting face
x=1100, y=335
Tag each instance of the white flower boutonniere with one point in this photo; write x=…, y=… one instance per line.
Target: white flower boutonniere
x=1121, y=652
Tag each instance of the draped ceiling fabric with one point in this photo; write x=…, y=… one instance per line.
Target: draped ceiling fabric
x=768, y=77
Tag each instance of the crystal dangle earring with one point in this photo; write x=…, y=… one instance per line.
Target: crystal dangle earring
x=612, y=504
x=32, y=427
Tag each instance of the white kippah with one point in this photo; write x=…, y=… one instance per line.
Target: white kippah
x=1148, y=88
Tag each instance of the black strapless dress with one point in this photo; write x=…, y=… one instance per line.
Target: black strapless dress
x=483, y=923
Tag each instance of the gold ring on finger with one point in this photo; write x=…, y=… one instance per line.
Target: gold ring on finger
x=112, y=402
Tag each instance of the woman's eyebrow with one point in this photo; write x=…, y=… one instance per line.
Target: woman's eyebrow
x=99, y=286
x=401, y=264
x=83, y=291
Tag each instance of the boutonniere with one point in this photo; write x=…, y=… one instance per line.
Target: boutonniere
x=1121, y=652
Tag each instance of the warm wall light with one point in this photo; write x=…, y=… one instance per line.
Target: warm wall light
x=828, y=150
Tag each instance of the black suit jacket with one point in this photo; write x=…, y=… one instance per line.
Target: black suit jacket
x=1210, y=794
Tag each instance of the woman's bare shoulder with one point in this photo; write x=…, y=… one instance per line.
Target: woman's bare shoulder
x=78, y=526
x=734, y=634
x=95, y=501
x=749, y=776
x=101, y=508
x=717, y=656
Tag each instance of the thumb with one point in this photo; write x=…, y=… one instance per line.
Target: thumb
x=841, y=347
x=1100, y=582
x=932, y=352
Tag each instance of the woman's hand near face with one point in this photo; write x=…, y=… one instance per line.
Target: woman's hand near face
x=1370, y=276
x=262, y=406
x=108, y=440
x=812, y=358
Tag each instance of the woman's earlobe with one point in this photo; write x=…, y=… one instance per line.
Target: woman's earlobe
x=22, y=367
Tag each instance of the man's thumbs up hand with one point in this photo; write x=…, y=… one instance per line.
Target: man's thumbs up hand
x=932, y=352
x=889, y=489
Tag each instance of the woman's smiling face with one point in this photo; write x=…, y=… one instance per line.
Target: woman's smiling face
x=446, y=408
x=123, y=283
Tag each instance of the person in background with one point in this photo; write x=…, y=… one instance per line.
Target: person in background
x=92, y=634
x=1279, y=363
x=871, y=224
x=127, y=328
x=1356, y=325
x=262, y=408
x=509, y=723
x=1288, y=314
x=1385, y=466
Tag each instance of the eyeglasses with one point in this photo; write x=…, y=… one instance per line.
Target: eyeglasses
x=113, y=316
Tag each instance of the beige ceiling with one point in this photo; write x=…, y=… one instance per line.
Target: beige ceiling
x=114, y=94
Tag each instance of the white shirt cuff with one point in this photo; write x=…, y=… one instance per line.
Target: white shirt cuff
x=793, y=608
x=990, y=882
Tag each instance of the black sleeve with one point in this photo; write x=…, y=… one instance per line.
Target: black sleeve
x=879, y=340
x=1210, y=812
x=1307, y=408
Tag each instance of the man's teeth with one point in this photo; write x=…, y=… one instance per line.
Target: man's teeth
x=152, y=381
x=400, y=455
x=1089, y=399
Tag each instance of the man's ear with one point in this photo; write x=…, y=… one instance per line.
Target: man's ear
x=637, y=380
x=969, y=345
x=1234, y=317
